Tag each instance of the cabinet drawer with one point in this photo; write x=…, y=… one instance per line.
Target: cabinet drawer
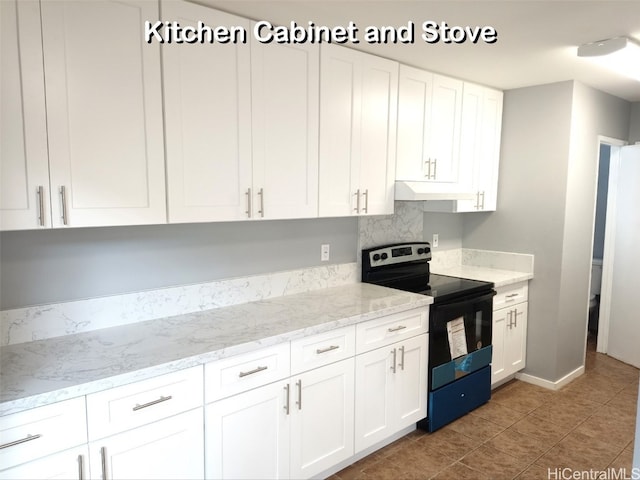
x=130, y=406
x=510, y=295
x=32, y=434
x=244, y=372
x=390, y=329
x=322, y=349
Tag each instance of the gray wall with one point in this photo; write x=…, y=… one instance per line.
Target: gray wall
x=49, y=266
x=601, y=200
x=547, y=206
x=448, y=226
x=634, y=127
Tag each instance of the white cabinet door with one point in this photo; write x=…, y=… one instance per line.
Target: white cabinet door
x=411, y=381
x=70, y=464
x=415, y=91
x=444, y=132
x=207, y=95
x=24, y=161
x=391, y=390
x=104, y=113
x=322, y=410
x=285, y=111
x=374, y=397
x=509, y=340
x=172, y=448
x=340, y=113
x=247, y=435
x=429, y=119
x=487, y=174
x=516, y=338
x=498, y=331
x=358, y=95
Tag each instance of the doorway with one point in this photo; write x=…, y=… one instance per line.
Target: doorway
x=603, y=242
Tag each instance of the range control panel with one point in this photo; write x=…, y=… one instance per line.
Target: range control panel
x=397, y=253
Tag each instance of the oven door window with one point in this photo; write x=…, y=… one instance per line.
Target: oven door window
x=459, y=338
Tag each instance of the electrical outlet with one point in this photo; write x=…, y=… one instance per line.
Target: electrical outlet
x=434, y=243
x=324, y=252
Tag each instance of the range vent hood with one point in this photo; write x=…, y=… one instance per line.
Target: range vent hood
x=425, y=191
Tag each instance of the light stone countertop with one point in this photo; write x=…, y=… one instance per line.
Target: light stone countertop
x=500, y=278
x=47, y=371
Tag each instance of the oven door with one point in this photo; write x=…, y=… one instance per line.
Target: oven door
x=459, y=338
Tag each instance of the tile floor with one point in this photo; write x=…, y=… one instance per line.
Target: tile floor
x=524, y=431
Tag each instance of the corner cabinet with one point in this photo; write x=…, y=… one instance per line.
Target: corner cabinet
x=429, y=122
x=358, y=118
x=99, y=140
x=509, y=335
x=479, y=150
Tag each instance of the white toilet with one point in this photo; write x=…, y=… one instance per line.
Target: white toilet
x=594, y=293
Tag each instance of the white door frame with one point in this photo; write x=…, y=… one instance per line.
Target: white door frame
x=609, y=241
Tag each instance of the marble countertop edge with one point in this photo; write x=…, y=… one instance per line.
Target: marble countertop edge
x=500, y=278
x=22, y=389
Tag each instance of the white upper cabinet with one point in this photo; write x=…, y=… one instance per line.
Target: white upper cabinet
x=358, y=94
x=104, y=113
x=207, y=95
x=429, y=119
x=24, y=164
x=479, y=150
x=285, y=111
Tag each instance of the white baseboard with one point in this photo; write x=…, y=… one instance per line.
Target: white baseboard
x=557, y=385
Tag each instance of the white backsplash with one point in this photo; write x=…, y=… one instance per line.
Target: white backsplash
x=55, y=320
x=403, y=226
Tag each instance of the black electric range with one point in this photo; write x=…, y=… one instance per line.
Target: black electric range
x=460, y=323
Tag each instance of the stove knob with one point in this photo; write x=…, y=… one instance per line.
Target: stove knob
x=376, y=257
x=420, y=251
x=384, y=256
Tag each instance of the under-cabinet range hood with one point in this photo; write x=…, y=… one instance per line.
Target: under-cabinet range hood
x=425, y=191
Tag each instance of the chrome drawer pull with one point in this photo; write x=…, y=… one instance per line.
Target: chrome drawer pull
x=248, y=210
x=63, y=198
x=395, y=357
x=153, y=402
x=251, y=372
x=41, y=205
x=357, y=195
x=328, y=349
x=28, y=438
x=261, y=194
x=287, y=406
x=80, y=467
x=395, y=329
x=299, y=402
x=513, y=295
x=103, y=462
x=402, y=357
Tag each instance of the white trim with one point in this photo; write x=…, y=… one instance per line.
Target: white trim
x=609, y=241
x=548, y=384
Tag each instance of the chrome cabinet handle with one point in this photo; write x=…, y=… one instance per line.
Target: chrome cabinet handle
x=435, y=167
x=477, y=205
x=248, y=210
x=151, y=403
x=366, y=201
x=511, y=295
x=103, y=462
x=299, y=401
x=328, y=349
x=26, y=439
x=286, y=402
x=393, y=364
x=63, y=196
x=428, y=162
x=251, y=372
x=482, y=204
x=402, y=357
x=41, y=205
x=357, y=195
x=395, y=329
x=261, y=194
x=80, y=467
x=515, y=317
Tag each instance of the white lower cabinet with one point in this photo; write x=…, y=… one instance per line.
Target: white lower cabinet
x=391, y=391
x=169, y=449
x=69, y=464
x=509, y=335
x=248, y=435
x=295, y=428
x=322, y=418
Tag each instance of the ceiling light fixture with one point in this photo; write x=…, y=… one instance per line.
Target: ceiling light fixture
x=620, y=54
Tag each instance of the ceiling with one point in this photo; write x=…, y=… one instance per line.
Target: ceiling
x=536, y=44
